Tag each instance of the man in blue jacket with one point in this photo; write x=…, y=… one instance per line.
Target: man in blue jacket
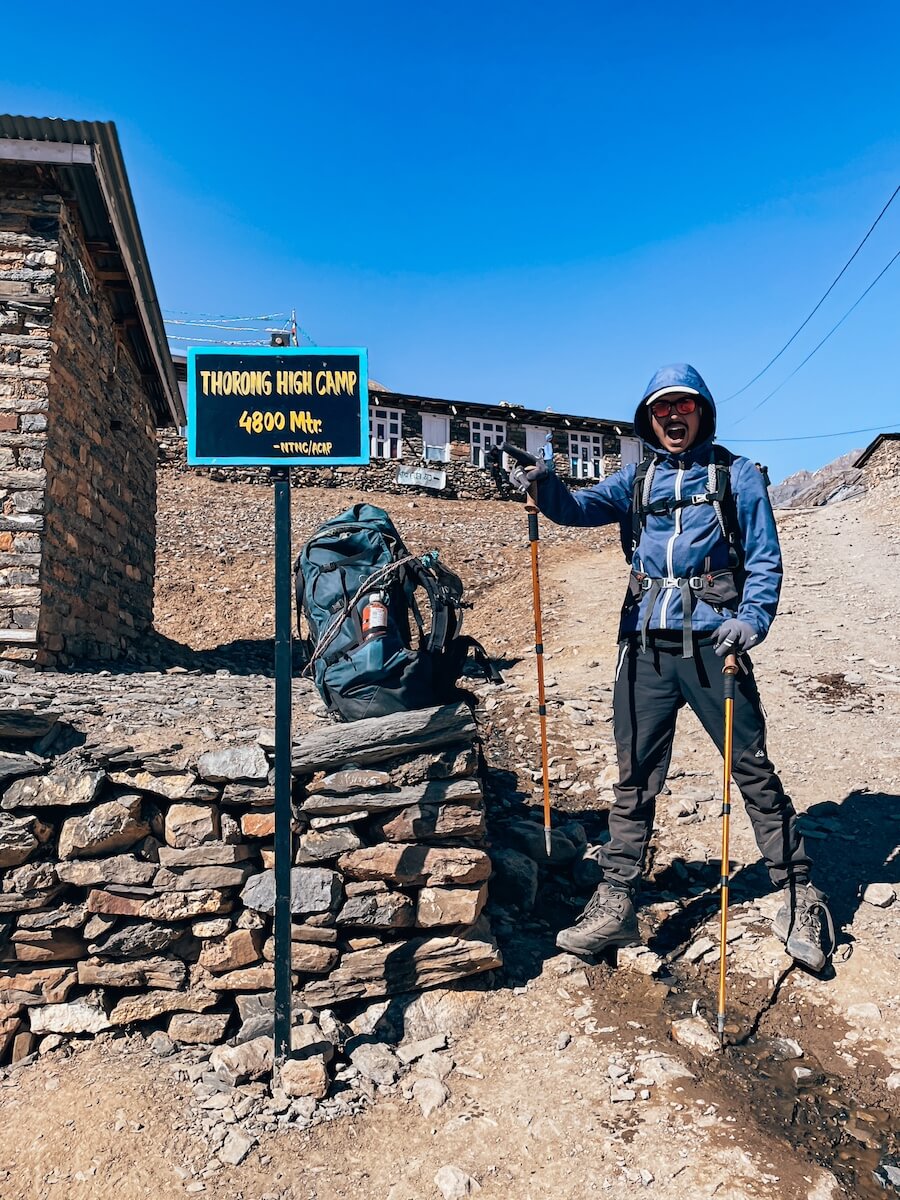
x=706, y=575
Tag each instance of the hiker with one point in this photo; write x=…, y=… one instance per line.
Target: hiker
x=706, y=574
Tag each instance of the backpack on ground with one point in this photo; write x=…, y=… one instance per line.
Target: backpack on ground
x=370, y=650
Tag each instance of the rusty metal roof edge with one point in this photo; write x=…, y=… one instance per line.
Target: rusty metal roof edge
x=112, y=181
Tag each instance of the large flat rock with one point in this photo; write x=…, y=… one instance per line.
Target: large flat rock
x=403, y=967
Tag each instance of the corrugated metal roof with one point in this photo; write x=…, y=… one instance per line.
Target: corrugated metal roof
x=873, y=446
x=106, y=205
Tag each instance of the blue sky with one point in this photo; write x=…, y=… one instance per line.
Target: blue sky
x=524, y=202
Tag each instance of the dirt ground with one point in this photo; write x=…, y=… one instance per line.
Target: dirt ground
x=563, y=1078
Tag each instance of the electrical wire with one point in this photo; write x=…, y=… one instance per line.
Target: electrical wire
x=810, y=437
x=771, y=361
x=832, y=330
x=212, y=325
x=213, y=341
x=181, y=312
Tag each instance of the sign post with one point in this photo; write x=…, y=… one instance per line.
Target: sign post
x=255, y=406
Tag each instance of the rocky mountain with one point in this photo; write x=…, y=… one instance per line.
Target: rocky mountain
x=838, y=480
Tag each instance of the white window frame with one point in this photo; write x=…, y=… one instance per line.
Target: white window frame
x=586, y=455
x=635, y=448
x=536, y=440
x=439, y=450
x=483, y=435
x=385, y=432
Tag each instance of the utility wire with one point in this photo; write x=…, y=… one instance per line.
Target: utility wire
x=213, y=325
x=214, y=341
x=832, y=330
x=810, y=437
x=771, y=361
x=180, y=312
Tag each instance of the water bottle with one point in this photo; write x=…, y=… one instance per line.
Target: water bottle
x=375, y=616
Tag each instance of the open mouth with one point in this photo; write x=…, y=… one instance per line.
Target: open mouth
x=676, y=431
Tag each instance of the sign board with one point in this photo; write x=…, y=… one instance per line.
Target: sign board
x=291, y=407
x=422, y=477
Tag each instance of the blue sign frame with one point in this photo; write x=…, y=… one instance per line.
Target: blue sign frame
x=219, y=424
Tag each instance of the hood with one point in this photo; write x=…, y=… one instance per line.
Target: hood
x=677, y=377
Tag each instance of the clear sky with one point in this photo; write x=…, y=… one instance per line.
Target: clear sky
x=538, y=203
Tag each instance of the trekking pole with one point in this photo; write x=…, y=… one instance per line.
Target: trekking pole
x=528, y=460
x=729, y=671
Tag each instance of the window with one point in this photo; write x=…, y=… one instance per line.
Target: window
x=539, y=441
x=586, y=455
x=435, y=438
x=632, y=450
x=384, y=433
x=482, y=436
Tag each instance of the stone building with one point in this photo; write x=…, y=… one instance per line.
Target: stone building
x=85, y=379
x=880, y=460
x=422, y=443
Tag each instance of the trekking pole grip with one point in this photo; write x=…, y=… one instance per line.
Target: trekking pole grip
x=729, y=671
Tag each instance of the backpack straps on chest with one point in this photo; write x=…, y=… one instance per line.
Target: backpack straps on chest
x=719, y=494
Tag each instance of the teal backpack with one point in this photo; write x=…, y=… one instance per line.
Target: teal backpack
x=370, y=649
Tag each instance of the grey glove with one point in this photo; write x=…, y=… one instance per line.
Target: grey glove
x=734, y=636
x=523, y=478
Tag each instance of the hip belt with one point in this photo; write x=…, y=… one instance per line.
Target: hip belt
x=716, y=588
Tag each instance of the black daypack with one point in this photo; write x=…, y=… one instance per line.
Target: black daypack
x=370, y=650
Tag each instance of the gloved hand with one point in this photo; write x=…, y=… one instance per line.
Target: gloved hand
x=734, y=637
x=522, y=478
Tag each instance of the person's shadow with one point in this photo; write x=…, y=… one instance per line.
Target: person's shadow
x=852, y=844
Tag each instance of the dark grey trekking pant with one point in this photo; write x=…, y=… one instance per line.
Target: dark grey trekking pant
x=651, y=686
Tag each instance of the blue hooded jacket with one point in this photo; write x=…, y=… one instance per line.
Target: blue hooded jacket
x=688, y=541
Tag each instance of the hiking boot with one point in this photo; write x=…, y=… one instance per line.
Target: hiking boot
x=608, y=920
x=804, y=924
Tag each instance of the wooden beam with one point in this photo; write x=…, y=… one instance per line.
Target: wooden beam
x=377, y=738
x=61, y=153
x=21, y=636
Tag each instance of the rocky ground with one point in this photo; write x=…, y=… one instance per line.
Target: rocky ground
x=556, y=1078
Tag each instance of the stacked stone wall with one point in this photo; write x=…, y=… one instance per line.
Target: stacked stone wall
x=884, y=465
x=99, y=541
x=29, y=245
x=138, y=889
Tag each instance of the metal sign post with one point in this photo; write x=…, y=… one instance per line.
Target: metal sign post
x=281, y=478
x=279, y=407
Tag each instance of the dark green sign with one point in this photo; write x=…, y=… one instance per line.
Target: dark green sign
x=255, y=406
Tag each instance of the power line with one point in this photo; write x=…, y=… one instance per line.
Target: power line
x=180, y=312
x=213, y=325
x=214, y=341
x=771, y=361
x=810, y=437
x=833, y=329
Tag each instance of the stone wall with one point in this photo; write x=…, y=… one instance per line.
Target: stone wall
x=138, y=889
x=465, y=481
x=884, y=464
x=77, y=446
x=29, y=233
x=99, y=548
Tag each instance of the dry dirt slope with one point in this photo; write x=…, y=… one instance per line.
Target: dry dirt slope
x=565, y=1082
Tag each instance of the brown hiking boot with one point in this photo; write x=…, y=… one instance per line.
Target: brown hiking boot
x=608, y=920
x=804, y=924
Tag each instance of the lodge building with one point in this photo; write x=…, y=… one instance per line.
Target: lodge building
x=441, y=446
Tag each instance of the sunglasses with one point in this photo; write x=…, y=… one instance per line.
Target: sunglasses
x=662, y=408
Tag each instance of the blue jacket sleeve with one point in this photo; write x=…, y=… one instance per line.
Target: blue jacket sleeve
x=607, y=502
x=762, y=553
